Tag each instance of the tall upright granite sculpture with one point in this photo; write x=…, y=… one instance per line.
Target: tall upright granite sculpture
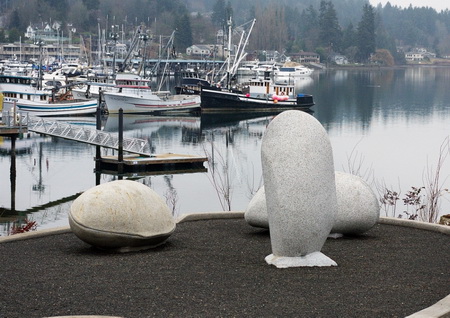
x=299, y=180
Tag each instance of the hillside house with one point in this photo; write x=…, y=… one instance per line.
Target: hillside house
x=305, y=57
x=418, y=54
x=200, y=50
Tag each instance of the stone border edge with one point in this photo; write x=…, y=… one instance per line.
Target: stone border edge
x=438, y=310
x=35, y=234
x=445, y=229
x=201, y=216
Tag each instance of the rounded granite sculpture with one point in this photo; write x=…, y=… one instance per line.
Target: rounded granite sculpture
x=358, y=208
x=121, y=215
x=256, y=212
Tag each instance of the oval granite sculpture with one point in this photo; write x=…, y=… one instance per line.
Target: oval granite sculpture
x=358, y=207
x=121, y=215
x=298, y=171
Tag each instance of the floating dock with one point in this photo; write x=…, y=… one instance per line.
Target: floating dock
x=12, y=128
x=139, y=161
x=156, y=164
x=12, y=125
x=9, y=131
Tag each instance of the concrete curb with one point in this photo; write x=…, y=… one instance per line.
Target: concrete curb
x=439, y=310
x=34, y=234
x=209, y=216
x=445, y=229
x=83, y=317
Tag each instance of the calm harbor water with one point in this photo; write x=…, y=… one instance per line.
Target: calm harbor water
x=387, y=125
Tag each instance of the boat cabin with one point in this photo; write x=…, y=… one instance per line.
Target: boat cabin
x=21, y=87
x=263, y=87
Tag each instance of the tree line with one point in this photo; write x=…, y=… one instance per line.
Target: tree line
x=353, y=28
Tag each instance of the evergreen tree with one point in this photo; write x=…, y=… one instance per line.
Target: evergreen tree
x=309, y=28
x=14, y=35
x=219, y=15
x=2, y=36
x=92, y=4
x=349, y=37
x=183, y=35
x=251, y=13
x=366, y=34
x=15, y=21
x=330, y=31
x=229, y=11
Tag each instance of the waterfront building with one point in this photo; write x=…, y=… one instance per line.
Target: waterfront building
x=31, y=52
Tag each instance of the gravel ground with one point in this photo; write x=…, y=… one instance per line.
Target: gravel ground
x=216, y=268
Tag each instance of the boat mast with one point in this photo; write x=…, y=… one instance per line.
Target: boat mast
x=242, y=54
x=229, y=54
x=168, y=47
x=239, y=56
x=39, y=42
x=114, y=36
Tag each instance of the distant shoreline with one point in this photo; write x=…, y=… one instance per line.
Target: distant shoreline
x=376, y=67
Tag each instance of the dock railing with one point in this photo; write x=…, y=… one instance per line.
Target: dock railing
x=12, y=119
x=91, y=136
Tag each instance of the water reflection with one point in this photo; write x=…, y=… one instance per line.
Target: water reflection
x=395, y=120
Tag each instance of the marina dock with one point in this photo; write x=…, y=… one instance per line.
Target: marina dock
x=156, y=164
x=12, y=127
x=9, y=131
x=138, y=157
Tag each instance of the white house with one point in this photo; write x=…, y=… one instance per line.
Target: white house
x=339, y=59
x=48, y=33
x=200, y=50
x=418, y=54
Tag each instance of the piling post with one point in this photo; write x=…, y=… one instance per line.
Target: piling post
x=98, y=155
x=120, y=157
x=13, y=173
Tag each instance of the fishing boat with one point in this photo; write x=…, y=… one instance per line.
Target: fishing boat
x=134, y=96
x=26, y=94
x=258, y=94
x=192, y=85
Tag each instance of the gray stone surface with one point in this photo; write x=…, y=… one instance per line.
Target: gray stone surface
x=256, y=212
x=298, y=171
x=358, y=207
x=122, y=215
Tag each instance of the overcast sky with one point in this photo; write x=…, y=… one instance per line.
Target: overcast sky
x=436, y=4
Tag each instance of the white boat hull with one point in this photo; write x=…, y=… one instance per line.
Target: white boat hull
x=67, y=108
x=140, y=105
